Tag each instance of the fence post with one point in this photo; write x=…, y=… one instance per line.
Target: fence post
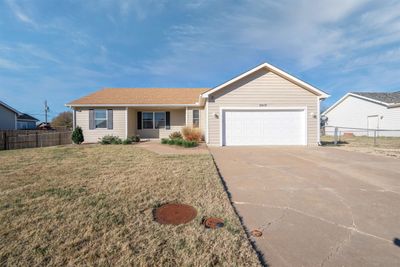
x=336, y=136
x=37, y=139
x=59, y=138
x=5, y=140
x=374, y=137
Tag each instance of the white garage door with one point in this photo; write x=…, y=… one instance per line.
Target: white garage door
x=263, y=127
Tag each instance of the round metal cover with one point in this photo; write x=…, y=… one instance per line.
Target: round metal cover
x=174, y=214
x=213, y=223
x=256, y=233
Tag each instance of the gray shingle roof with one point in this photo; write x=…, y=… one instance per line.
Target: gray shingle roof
x=25, y=116
x=383, y=97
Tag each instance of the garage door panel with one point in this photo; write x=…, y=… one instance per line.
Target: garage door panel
x=265, y=127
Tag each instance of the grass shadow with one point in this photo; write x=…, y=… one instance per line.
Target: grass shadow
x=396, y=241
x=260, y=255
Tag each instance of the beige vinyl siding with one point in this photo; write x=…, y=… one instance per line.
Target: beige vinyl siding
x=262, y=88
x=202, y=114
x=92, y=136
x=177, y=120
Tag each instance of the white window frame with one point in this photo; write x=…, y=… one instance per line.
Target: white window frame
x=154, y=120
x=94, y=117
x=198, y=118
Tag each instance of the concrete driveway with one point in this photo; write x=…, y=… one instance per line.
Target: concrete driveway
x=316, y=206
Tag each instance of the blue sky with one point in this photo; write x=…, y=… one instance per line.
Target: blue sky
x=62, y=50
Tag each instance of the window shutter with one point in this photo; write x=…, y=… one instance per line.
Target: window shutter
x=167, y=120
x=139, y=120
x=109, y=119
x=91, y=119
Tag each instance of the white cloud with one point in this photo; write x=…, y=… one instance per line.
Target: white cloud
x=19, y=13
x=12, y=65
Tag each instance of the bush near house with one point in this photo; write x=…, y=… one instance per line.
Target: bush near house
x=77, y=136
x=131, y=139
x=179, y=142
x=191, y=134
x=175, y=135
x=114, y=140
x=110, y=140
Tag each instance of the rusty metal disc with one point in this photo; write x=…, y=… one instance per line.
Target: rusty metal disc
x=213, y=223
x=174, y=214
x=256, y=233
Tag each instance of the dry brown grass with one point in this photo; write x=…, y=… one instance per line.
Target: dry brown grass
x=191, y=134
x=92, y=205
x=386, y=146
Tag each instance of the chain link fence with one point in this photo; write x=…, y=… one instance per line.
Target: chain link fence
x=360, y=137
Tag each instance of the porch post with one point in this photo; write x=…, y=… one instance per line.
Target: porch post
x=126, y=122
x=186, y=116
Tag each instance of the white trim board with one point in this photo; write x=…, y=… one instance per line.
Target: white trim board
x=275, y=70
x=222, y=118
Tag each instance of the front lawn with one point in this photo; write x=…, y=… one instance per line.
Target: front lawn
x=92, y=205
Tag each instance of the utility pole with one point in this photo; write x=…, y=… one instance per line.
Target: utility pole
x=46, y=110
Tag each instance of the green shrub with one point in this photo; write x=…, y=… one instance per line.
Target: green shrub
x=131, y=139
x=179, y=142
x=135, y=138
x=175, y=135
x=110, y=140
x=127, y=141
x=187, y=143
x=171, y=141
x=77, y=136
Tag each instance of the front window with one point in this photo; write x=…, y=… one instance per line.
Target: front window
x=196, y=118
x=159, y=120
x=100, y=118
x=147, y=120
x=153, y=120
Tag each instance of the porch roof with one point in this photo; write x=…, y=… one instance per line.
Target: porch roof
x=141, y=96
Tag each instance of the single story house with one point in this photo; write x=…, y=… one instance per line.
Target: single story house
x=26, y=122
x=366, y=112
x=8, y=117
x=263, y=106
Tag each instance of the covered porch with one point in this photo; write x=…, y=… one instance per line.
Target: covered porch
x=157, y=122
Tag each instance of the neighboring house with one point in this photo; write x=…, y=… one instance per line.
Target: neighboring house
x=264, y=106
x=8, y=117
x=26, y=122
x=368, y=111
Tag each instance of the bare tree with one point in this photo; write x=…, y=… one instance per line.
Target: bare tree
x=64, y=119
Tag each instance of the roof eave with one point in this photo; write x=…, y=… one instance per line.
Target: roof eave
x=133, y=105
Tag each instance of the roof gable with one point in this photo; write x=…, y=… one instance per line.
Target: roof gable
x=275, y=70
x=9, y=108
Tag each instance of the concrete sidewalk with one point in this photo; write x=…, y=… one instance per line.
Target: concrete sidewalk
x=316, y=206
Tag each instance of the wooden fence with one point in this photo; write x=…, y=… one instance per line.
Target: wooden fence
x=33, y=138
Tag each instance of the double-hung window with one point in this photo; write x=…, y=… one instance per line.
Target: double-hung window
x=147, y=120
x=153, y=120
x=159, y=120
x=196, y=118
x=100, y=118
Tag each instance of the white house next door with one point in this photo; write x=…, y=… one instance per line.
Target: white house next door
x=263, y=127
